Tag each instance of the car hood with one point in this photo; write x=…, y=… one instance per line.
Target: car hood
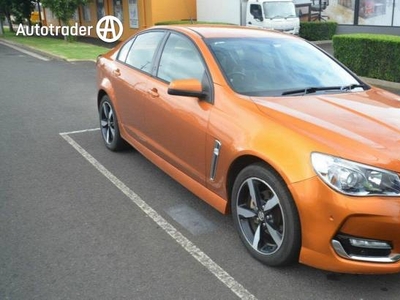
x=362, y=126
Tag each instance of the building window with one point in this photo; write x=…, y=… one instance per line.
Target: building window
x=375, y=12
x=118, y=11
x=75, y=17
x=100, y=9
x=133, y=14
x=340, y=11
x=86, y=13
x=370, y=12
x=396, y=13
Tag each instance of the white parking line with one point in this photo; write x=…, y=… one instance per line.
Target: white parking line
x=25, y=51
x=186, y=244
x=79, y=131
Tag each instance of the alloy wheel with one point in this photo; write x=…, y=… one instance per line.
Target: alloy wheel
x=260, y=216
x=107, y=122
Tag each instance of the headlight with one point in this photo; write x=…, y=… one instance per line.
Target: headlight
x=355, y=179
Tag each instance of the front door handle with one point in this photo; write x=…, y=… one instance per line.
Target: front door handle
x=153, y=93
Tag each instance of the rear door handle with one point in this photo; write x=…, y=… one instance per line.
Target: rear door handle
x=117, y=72
x=153, y=93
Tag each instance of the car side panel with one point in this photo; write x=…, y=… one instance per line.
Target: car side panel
x=130, y=87
x=242, y=130
x=176, y=129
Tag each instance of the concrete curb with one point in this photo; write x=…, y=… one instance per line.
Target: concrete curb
x=382, y=83
x=32, y=49
x=322, y=42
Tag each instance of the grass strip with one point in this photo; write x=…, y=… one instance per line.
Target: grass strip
x=58, y=47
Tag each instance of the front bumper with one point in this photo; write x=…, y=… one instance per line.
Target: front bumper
x=347, y=234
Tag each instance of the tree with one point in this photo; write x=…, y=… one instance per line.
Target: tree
x=1, y=23
x=64, y=9
x=6, y=8
x=22, y=9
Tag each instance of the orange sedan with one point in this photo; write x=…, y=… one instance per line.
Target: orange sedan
x=267, y=127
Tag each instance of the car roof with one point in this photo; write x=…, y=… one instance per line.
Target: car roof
x=225, y=31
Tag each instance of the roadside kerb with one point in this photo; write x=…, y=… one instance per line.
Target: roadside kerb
x=42, y=52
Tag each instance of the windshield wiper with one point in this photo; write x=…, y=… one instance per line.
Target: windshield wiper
x=312, y=90
x=353, y=86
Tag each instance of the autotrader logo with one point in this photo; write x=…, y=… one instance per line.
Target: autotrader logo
x=110, y=27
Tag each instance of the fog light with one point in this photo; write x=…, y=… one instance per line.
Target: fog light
x=370, y=244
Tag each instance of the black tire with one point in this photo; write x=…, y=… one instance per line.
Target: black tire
x=265, y=216
x=109, y=126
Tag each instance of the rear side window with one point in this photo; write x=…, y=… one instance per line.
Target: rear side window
x=123, y=53
x=142, y=51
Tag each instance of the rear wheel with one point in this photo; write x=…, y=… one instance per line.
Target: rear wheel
x=109, y=126
x=265, y=216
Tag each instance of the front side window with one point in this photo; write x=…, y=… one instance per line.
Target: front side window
x=142, y=51
x=255, y=11
x=271, y=67
x=180, y=60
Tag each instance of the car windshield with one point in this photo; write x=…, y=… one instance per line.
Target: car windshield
x=279, y=66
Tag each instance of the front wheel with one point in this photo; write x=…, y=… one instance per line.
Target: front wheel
x=109, y=126
x=265, y=216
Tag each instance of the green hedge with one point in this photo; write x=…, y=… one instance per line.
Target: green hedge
x=370, y=55
x=312, y=31
x=317, y=31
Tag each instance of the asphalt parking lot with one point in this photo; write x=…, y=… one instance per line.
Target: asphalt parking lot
x=80, y=222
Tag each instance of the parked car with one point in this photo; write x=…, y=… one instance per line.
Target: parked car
x=267, y=127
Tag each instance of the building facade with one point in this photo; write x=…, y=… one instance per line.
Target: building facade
x=135, y=15
x=377, y=16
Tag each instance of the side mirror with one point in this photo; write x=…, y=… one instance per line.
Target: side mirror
x=186, y=87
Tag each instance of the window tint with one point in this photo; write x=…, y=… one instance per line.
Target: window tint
x=180, y=60
x=142, y=51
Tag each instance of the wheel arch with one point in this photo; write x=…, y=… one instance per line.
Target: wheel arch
x=242, y=162
x=100, y=96
x=238, y=165
x=105, y=89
